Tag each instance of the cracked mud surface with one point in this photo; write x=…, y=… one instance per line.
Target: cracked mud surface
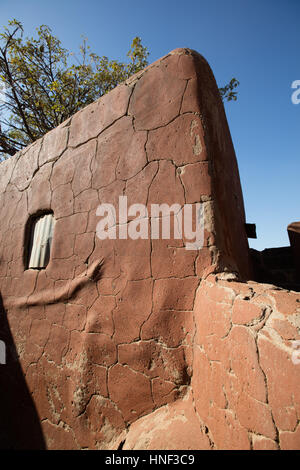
x=140, y=340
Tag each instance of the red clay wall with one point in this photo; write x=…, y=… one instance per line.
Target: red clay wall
x=153, y=351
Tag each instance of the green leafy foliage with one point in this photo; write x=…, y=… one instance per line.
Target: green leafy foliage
x=227, y=92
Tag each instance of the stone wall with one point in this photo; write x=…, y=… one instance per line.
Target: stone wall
x=141, y=343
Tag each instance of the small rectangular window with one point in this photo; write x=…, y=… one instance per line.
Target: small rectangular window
x=40, y=241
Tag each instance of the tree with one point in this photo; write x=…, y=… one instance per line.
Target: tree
x=44, y=83
x=227, y=92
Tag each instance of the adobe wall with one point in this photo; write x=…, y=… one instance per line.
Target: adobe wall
x=245, y=385
x=137, y=343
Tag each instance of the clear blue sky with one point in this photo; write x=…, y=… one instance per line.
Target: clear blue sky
x=256, y=41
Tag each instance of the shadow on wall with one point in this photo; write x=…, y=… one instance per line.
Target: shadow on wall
x=20, y=425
